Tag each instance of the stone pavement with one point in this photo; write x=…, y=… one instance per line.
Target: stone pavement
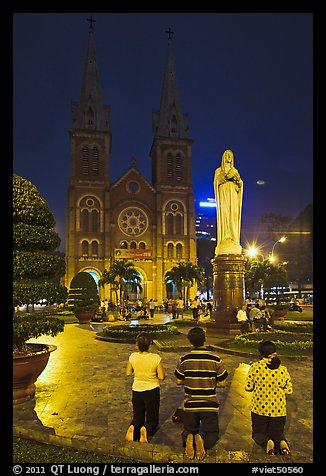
x=83, y=400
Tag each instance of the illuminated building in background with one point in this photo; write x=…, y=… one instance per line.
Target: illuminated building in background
x=206, y=242
x=206, y=219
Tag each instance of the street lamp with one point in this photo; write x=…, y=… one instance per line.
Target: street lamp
x=281, y=240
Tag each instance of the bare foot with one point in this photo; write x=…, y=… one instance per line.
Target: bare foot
x=270, y=448
x=130, y=433
x=200, y=448
x=285, y=450
x=143, y=435
x=190, y=451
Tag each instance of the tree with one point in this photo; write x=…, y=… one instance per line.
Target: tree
x=121, y=275
x=37, y=267
x=83, y=295
x=184, y=275
x=262, y=276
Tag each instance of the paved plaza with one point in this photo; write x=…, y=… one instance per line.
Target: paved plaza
x=83, y=400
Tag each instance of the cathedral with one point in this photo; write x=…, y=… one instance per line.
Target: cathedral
x=152, y=224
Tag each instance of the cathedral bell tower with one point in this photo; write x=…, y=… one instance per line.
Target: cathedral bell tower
x=88, y=190
x=171, y=156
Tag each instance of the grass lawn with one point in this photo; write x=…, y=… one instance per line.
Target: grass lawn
x=28, y=451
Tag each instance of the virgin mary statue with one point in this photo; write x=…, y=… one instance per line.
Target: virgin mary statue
x=228, y=188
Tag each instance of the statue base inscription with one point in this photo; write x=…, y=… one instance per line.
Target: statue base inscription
x=229, y=294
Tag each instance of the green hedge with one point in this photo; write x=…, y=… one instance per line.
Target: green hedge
x=290, y=342
x=130, y=332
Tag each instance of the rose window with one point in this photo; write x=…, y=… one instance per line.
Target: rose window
x=132, y=221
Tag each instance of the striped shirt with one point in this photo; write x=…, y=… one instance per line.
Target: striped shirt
x=200, y=371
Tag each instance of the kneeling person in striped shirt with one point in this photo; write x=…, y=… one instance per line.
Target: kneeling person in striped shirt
x=200, y=371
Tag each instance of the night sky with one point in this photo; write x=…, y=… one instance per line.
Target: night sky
x=245, y=80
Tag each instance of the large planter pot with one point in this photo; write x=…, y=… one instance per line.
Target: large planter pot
x=84, y=317
x=26, y=370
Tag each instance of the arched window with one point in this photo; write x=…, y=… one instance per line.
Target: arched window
x=124, y=244
x=85, y=161
x=133, y=245
x=94, y=248
x=85, y=248
x=142, y=245
x=84, y=220
x=178, y=167
x=170, y=250
x=169, y=224
x=95, y=161
x=169, y=167
x=179, y=224
x=178, y=251
x=95, y=220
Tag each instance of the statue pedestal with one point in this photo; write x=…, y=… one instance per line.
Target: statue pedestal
x=229, y=294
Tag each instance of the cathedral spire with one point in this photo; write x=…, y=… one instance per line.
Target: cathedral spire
x=170, y=121
x=90, y=112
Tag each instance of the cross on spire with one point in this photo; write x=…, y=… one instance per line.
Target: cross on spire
x=91, y=20
x=169, y=32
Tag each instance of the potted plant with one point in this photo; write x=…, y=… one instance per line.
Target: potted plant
x=83, y=297
x=37, y=269
x=30, y=359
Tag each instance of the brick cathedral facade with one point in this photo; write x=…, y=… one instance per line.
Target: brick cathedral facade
x=152, y=223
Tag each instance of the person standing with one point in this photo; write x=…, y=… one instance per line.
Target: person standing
x=200, y=371
x=194, y=307
x=151, y=306
x=270, y=382
x=148, y=371
x=180, y=308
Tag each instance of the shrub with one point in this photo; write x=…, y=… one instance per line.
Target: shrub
x=29, y=325
x=130, y=332
x=83, y=294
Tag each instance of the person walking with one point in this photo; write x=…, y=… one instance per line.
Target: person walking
x=270, y=382
x=200, y=371
x=148, y=371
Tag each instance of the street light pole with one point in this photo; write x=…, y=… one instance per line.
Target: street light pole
x=281, y=240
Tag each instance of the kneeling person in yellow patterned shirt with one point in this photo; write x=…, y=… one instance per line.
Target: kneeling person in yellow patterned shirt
x=270, y=382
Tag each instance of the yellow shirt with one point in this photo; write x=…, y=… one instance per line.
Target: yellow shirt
x=269, y=388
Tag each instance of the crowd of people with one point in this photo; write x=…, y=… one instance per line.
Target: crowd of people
x=200, y=372
x=255, y=317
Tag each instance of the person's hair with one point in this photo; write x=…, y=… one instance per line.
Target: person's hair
x=143, y=341
x=196, y=336
x=267, y=348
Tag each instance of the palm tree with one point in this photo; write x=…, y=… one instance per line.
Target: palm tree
x=184, y=275
x=120, y=274
x=264, y=275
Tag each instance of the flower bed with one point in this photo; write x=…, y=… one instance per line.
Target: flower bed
x=128, y=334
x=294, y=326
x=287, y=343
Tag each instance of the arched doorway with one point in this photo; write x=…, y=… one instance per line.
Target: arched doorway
x=134, y=291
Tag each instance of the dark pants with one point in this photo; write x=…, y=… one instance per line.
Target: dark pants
x=204, y=423
x=146, y=407
x=195, y=312
x=266, y=428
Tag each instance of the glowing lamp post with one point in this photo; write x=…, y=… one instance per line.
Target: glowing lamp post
x=281, y=240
